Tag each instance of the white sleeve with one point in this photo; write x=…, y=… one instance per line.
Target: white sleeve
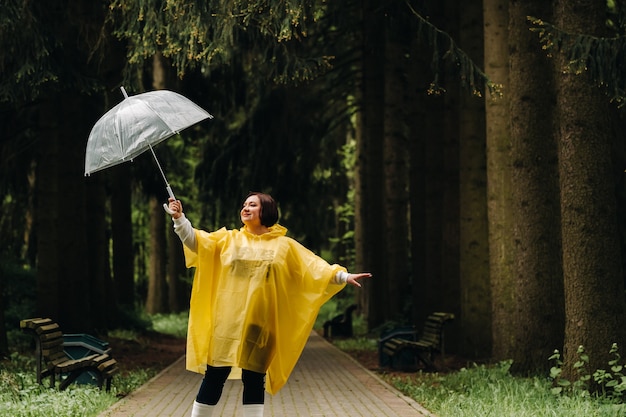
x=186, y=232
x=341, y=277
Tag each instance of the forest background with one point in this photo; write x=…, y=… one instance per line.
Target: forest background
x=467, y=154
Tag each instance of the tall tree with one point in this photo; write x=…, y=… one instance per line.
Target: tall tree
x=177, y=299
x=592, y=266
x=62, y=272
x=537, y=281
x=370, y=229
x=66, y=116
x=122, y=236
x=500, y=219
x=396, y=166
x=426, y=161
x=157, y=299
x=178, y=296
x=120, y=195
x=473, y=232
x=101, y=294
x=448, y=193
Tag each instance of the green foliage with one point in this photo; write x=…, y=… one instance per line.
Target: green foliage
x=602, y=58
x=24, y=62
x=330, y=309
x=608, y=385
x=22, y=396
x=172, y=324
x=46, y=48
x=447, y=54
x=338, y=305
x=491, y=391
x=135, y=322
x=126, y=383
x=345, y=212
x=211, y=33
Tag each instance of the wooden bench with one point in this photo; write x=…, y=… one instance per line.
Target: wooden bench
x=421, y=346
x=52, y=359
x=340, y=325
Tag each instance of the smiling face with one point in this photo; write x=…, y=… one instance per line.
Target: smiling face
x=251, y=211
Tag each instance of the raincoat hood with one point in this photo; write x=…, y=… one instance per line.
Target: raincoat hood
x=274, y=232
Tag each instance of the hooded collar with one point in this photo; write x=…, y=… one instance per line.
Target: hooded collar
x=275, y=231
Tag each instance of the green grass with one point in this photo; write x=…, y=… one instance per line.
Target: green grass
x=492, y=391
x=357, y=343
x=171, y=324
x=22, y=396
x=489, y=391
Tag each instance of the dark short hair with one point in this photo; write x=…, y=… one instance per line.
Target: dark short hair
x=269, y=208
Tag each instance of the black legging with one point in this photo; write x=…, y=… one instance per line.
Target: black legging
x=215, y=378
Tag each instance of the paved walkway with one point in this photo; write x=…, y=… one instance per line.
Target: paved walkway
x=325, y=383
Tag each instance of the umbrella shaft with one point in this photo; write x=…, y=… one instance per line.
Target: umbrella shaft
x=167, y=184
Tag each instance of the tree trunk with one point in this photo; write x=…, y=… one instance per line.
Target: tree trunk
x=360, y=225
x=370, y=166
x=473, y=236
x=448, y=193
x=537, y=280
x=500, y=220
x=63, y=280
x=156, y=300
x=592, y=263
x=396, y=172
x=426, y=157
x=47, y=218
x=157, y=297
x=178, y=296
x=101, y=291
x=122, y=289
x=122, y=236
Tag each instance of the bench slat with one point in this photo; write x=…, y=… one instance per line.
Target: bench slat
x=52, y=359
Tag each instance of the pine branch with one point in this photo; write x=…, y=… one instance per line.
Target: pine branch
x=471, y=76
x=604, y=59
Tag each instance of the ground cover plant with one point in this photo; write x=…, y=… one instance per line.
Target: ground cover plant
x=488, y=390
x=141, y=354
x=464, y=389
x=485, y=391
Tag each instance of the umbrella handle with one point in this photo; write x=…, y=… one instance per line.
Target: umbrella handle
x=167, y=209
x=171, y=194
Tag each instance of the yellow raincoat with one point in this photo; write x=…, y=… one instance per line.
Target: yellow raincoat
x=254, y=301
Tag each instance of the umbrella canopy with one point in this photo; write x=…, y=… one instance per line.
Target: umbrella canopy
x=136, y=124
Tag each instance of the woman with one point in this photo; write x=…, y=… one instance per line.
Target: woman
x=255, y=296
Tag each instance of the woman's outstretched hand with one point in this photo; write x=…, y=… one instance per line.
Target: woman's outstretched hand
x=354, y=278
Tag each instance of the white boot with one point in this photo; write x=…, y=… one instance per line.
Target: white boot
x=201, y=410
x=253, y=410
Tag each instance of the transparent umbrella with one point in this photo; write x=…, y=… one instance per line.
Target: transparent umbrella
x=136, y=124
